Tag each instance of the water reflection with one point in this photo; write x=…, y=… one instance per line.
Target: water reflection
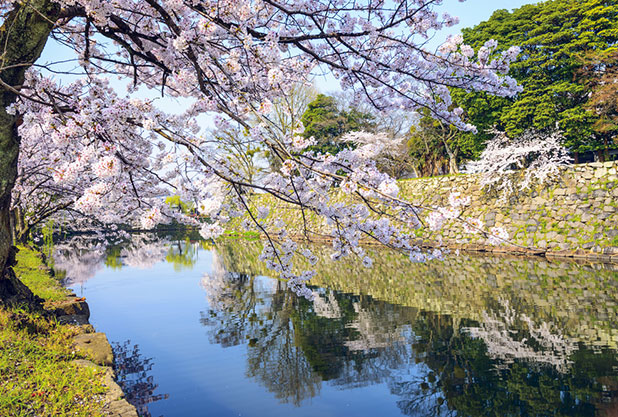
x=578, y=299
x=509, y=336
x=500, y=360
x=466, y=336
x=133, y=375
x=81, y=257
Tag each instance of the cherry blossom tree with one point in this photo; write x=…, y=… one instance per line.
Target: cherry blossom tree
x=509, y=165
x=392, y=155
x=113, y=157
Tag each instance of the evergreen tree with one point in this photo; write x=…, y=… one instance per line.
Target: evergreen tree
x=553, y=35
x=326, y=123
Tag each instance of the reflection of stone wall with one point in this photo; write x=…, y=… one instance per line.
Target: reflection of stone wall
x=576, y=215
x=579, y=299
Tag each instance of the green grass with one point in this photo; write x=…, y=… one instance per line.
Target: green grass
x=36, y=373
x=37, y=376
x=32, y=272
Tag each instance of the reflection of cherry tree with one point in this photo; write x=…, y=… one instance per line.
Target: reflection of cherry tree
x=237, y=298
x=543, y=346
x=218, y=283
x=245, y=309
x=419, y=398
x=249, y=309
x=295, y=344
x=276, y=359
x=80, y=257
x=132, y=373
x=227, y=291
x=143, y=251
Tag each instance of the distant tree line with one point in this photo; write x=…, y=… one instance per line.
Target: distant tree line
x=568, y=68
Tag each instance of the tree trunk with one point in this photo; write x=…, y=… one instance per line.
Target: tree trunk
x=21, y=227
x=12, y=225
x=13, y=292
x=452, y=165
x=22, y=36
x=452, y=158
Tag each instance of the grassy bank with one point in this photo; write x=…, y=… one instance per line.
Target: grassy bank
x=36, y=275
x=37, y=376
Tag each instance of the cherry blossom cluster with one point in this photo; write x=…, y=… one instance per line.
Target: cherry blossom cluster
x=543, y=342
x=238, y=55
x=91, y=157
x=113, y=159
x=537, y=155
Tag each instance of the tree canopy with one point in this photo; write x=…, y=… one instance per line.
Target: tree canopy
x=554, y=37
x=433, y=147
x=326, y=122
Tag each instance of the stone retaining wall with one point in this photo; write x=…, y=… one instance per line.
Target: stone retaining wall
x=576, y=215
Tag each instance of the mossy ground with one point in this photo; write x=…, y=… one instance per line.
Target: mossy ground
x=37, y=376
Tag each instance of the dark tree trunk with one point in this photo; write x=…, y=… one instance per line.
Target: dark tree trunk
x=22, y=35
x=20, y=226
x=13, y=292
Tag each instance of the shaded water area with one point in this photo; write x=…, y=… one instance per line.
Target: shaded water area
x=200, y=329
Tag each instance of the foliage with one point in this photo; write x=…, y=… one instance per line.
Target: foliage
x=47, y=244
x=174, y=201
x=599, y=73
x=326, y=123
x=395, y=123
x=434, y=148
x=553, y=35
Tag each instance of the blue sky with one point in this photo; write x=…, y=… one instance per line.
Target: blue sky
x=470, y=13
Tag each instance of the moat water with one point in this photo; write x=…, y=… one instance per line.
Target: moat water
x=202, y=330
